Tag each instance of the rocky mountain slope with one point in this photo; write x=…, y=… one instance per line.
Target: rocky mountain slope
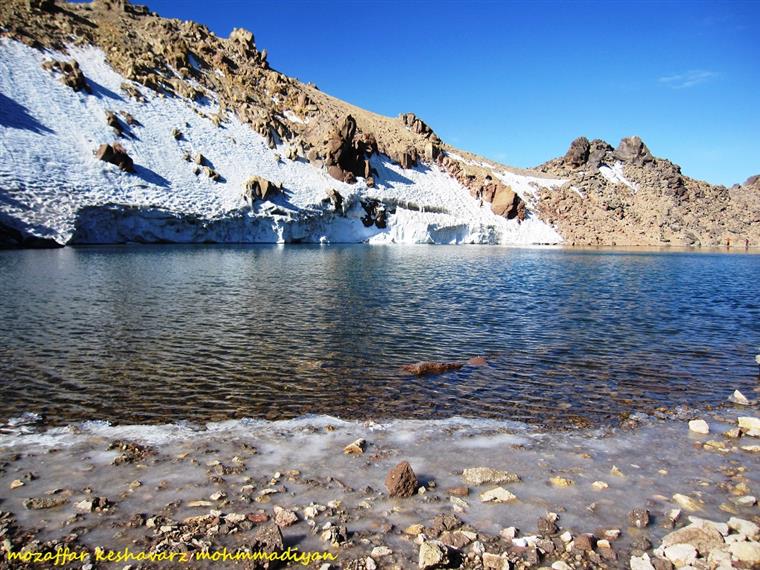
x=117, y=126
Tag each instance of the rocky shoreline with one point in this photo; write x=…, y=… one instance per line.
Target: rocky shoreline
x=460, y=493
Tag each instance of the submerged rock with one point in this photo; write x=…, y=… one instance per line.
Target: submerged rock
x=431, y=368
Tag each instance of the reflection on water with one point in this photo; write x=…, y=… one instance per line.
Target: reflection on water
x=164, y=333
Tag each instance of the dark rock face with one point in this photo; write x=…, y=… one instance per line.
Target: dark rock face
x=117, y=155
x=71, y=75
x=401, y=481
x=375, y=214
x=633, y=150
x=598, y=150
x=431, y=368
x=577, y=155
x=348, y=155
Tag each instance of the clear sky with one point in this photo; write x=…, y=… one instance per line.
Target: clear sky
x=517, y=81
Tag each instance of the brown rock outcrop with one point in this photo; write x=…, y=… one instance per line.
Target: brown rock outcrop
x=115, y=154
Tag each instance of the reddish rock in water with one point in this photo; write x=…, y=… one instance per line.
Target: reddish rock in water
x=477, y=361
x=401, y=481
x=430, y=368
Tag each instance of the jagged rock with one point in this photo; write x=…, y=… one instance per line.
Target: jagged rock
x=401, y=480
x=260, y=188
x=347, y=155
x=176, y=134
x=433, y=554
x=445, y=521
x=633, y=150
x=578, y=153
x=243, y=37
x=71, y=75
x=117, y=155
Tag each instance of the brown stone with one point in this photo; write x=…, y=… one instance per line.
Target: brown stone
x=401, y=481
x=431, y=368
x=117, y=155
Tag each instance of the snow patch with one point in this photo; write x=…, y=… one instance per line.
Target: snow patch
x=615, y=175
x=51, y=182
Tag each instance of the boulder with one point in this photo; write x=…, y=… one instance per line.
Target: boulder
x=117, y=155
x=347, y=155
x=702, y=537
x=639, y=518
x=633, y=150
x=259, y=188
x=577, y=155
x=433, y=554
x=401, y=480
x=505, y=202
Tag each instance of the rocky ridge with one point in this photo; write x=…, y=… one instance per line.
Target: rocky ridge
x=627, y=196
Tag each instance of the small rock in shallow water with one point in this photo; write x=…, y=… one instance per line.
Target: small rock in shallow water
x=481, y=475
x=561, y=482
x=356, y=447
x=639, y=518
x=497, y=495
x=599, y=485
x=16, y=483
x=699, y=426
x=401, y=480
x=739, y=398
x=687, y=503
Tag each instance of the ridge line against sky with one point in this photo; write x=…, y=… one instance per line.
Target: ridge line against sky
x=517, y=81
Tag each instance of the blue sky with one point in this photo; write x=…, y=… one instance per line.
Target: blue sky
x=517, y=81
